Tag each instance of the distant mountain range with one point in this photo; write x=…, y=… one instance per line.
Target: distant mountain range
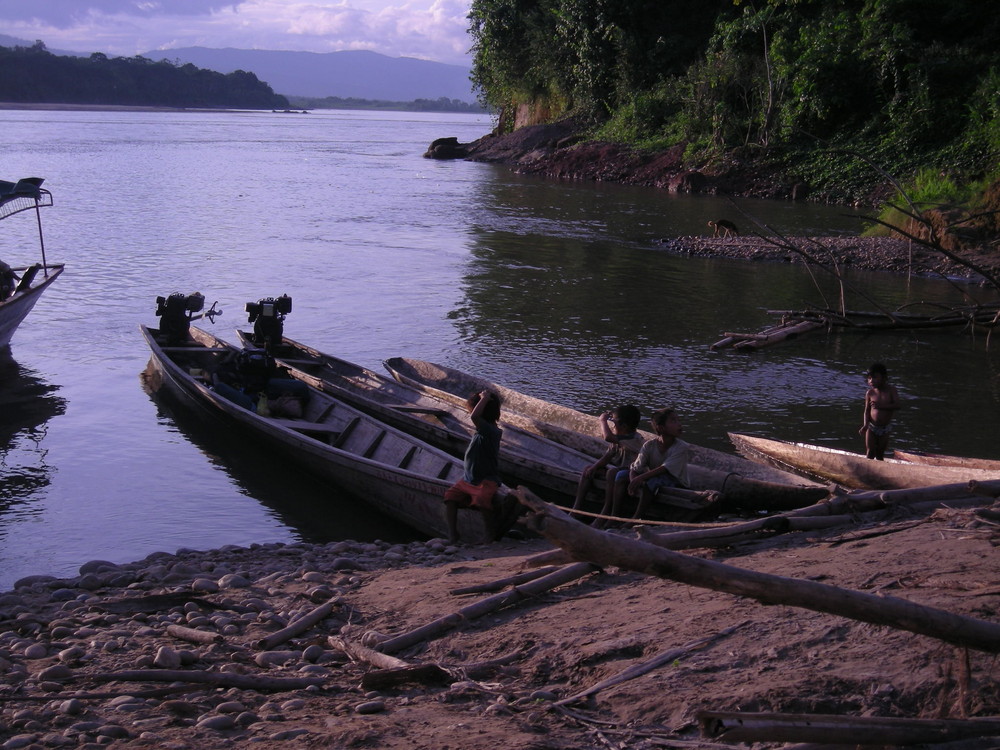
x=348, y=74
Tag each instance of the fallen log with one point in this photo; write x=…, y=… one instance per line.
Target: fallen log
x=502, y=583
x=297, y=626
x=586, y=543
x=870, y=499
x=637, y=670
x=989, y=489
x=839, y=509
x=425, y=674
x=192, y=635
x=485, y=606
x=784, y=334
x=738, y=726
x=740, y=532
x=357, y=652
x=219, y=679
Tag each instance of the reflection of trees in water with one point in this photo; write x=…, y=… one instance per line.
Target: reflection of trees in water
x=26, y=405
x=585, y=297
x=316, y=510
x=590, y=323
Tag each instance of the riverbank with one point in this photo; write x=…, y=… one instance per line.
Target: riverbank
x=556, y=152
x=80, y=656
x=888, y=254
x=559, y=151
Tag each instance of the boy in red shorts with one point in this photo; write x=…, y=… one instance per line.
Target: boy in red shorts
x=482, y=476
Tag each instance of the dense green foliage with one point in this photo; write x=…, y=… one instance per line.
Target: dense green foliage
x=794, y=83
x=33, y=74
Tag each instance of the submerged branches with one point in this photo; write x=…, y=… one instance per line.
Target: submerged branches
x=795, y=322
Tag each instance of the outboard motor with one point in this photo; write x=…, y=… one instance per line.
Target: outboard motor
x=268, y=318
x=175, y=314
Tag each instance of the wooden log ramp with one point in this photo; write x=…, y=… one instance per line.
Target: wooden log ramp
x=600, y=548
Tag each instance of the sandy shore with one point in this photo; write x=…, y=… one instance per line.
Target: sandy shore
x=109, y=658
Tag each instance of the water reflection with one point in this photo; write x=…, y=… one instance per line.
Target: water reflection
x=27, y=403
x=591, y=323
x=317, y=511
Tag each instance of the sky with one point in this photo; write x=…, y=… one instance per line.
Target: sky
x=426, y=29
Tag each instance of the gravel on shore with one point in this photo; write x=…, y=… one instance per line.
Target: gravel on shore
x=889, y=254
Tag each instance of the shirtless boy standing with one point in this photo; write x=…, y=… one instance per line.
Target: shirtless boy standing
x=881, y=402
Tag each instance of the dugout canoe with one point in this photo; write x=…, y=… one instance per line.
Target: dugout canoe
x=394, y=472
x=940, y=459
x=853, y=470
x=524, y=456
x=744, y=484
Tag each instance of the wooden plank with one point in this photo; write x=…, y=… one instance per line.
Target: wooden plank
x=373, y=446
x=346, y=432
x=408, y=457
x=300, y=426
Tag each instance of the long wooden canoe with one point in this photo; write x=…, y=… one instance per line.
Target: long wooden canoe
x=396, y=473
x=940, y=459
x=524, y=456
x=743, y=483
x=853, y=470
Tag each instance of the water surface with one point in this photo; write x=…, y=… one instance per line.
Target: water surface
x=555, y=288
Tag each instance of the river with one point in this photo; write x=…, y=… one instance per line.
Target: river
x=555, y=288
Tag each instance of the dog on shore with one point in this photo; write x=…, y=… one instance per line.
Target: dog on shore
x=724, y=228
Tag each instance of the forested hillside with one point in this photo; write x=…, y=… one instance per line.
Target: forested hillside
x=32, y=74
x=910, y=84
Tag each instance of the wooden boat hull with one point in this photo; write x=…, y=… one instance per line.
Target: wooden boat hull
x=15, y=308
x=524, y=456
x=853, y=470
x=395, y=473
x=746, y=484
x=939, y=459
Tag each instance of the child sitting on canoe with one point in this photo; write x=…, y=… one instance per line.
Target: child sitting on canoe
x=620, y=429
x=661, y=464
x=478, y=488
x=881, y=402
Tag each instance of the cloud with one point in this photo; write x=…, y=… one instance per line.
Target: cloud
x=430, y=29
x=64, y=14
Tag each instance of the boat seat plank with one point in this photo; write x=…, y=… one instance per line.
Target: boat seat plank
x=297, y=424
x=346, y=432
x=419, y=409
x=373, y=446
x=326, y=412
x=408, y=457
